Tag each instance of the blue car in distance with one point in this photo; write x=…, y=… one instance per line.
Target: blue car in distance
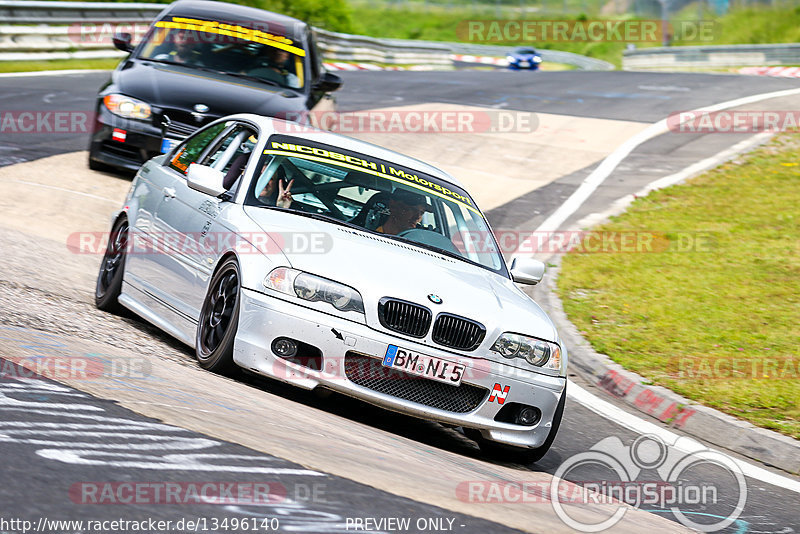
x=524, y=58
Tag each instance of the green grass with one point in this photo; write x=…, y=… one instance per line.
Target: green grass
x=733, y=303
x=437, y=23
x=756, y=25
x=58, y=64
x=440, y=24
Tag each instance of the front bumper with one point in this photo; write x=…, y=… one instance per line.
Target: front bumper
x=517, y=66
x=142, y=141
x=263, y=318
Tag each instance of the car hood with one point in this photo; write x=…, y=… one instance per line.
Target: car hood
x=177, y=87
x=379, y=267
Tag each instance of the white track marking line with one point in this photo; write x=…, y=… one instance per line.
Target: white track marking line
x=575, y=201
x=65, y=190
x=633, y=422
x=640, y=426
x=598, y=176
x=619, y=205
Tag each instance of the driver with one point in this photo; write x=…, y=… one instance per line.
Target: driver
x=185, y=49
x=406, y=209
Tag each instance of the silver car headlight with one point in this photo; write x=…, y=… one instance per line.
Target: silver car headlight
x=127, y=107
x=314, y=289
x=536, y=352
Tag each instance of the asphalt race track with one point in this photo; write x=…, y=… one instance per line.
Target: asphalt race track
x=326, y=461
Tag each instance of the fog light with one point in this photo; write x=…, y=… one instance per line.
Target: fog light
x=528, y=415
x=284, y=347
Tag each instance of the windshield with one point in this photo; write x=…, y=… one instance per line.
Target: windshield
x=375, y=195
x=226, y=48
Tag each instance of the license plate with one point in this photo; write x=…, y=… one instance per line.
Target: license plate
x=418, y=364
x=168, y=144
x=523, y=64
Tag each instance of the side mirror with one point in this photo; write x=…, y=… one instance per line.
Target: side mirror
x=122, y=41
x=527, y=271
x=205, y=179
x=328, y=82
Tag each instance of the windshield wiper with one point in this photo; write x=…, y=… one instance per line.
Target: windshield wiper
x=168, y=62
x=215, y=71
x=249, y=77
x=321, y=217
x=442, y=251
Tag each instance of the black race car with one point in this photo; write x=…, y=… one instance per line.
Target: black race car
x=201, y=60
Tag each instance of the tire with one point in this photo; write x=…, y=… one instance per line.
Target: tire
x=97, y=165
x=112, y=268
x=219, y=319
x=498, y=451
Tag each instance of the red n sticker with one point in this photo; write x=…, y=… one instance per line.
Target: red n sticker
x=499, y=393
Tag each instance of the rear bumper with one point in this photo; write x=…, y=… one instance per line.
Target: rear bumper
x=264, y=318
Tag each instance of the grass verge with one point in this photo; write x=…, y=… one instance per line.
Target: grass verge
x=714, y=312
x=58, y=64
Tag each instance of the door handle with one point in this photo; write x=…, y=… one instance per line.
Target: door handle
x=169, y=192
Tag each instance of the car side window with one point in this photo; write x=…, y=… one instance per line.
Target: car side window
x=231, y=154
x=193, y=148
x=237, y=142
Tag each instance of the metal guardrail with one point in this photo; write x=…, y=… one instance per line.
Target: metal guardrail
x=50, y=39
x=44, y=12
x=345, y=47
x=697, y=57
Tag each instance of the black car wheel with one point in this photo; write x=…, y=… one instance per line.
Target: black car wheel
x=219, y=319
x=109, y=279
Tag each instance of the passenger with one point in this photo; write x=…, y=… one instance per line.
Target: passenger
x=280, y=195
x=405, y=212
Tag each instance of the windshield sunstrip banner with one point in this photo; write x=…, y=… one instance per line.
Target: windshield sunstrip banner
x=231, y=30
x=302, y=148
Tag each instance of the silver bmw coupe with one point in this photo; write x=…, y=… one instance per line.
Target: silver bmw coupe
x=327, y=262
